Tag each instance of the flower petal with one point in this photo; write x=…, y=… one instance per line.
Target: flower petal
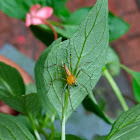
x=28, y=20
x=36, y=21
x=44, y=12
x=34, y=8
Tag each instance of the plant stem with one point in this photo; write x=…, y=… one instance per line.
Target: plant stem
x=52, y=126
x=115, y=88
x=34, y=127
x=51, y=27
x=63, y=128
x=64, y=112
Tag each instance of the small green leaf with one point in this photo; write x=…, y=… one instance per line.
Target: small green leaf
x=99, y=137
x=28, y=103
x=136, y=90
x=112, y=62
x=117, y=27
x=11, y=129
x=136, y=82
x=127, y=126
x=11, y=82
x=87, y=46
x=90, y=105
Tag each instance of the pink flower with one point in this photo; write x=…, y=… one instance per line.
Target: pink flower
x=37, y=14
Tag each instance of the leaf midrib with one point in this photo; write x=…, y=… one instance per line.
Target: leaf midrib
x=86, y=39
x=7, y=86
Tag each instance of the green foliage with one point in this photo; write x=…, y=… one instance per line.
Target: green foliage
x=127, y=126
x=91, y=105
x=135, y=81
x=117, y=27
x=12, y=91
x=22, y=7
x=112, y=62
x=11, y=83
x=28, y=103
x=70, y=22
x=11, y=129
x=99, y=137
x=88, y=46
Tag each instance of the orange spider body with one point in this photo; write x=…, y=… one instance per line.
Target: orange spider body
x=70, y=78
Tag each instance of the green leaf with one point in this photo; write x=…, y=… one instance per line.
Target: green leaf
x=99, y=137
x=136, y=90
x=112, y=62
x=25, y=121
x=136, y=82
x=117, y=27
x=91, y=105
x=87, y=48
x=72, y=137
x=127, y=126
x=19, y=8
x=11, y=129
x=28, y=103
x=11, y=82
x=39, y=77
x=31, y=88
x=80, y=13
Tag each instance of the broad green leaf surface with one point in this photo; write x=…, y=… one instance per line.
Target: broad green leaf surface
x=25, y=121
x=71, y=137
x=12, y=129
x=90, y=105
x=112, y=62
x=127, y=126
x=28, y=103
x=39, y=78
x=136, y=82
x=19, y=8
x=11, y=82
x=117, y=27
x=88, y=47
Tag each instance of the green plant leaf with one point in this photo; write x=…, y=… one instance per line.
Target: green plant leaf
x=91, y=105
x=11, y=82
x=39, y=77
x=135, y=81
x=112, y=62
x=127, y=126
x=31, y=88
x=99, y=137
x=87, y=46
x=28, y=103
x=11, y=129
x=117, y=27
x=136, y=90
x=19, y=8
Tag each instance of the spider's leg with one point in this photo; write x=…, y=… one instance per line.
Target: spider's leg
x=55, y=65
x=84, y=73
x=69, y=97
x=83, y=87
x=63, y=94
x=53, y=82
